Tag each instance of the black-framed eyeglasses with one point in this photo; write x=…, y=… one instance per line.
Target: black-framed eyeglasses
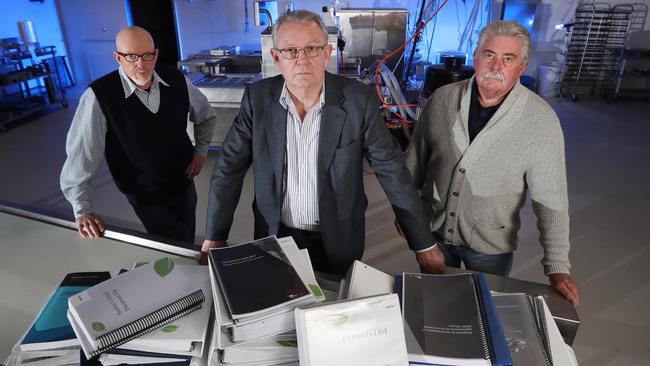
x=290, y=53
x=132, y=57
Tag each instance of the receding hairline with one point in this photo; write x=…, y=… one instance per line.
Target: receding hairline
x=132, y=32
x=298, y=17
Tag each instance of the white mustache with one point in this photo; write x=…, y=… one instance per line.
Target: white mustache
x=493, y=75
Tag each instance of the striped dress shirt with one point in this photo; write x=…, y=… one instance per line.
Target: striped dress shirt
x=300, y=202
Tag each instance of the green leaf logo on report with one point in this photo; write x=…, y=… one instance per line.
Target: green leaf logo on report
x=98, y=326
x=338, y=319
x=163, y=266
x=170, y=328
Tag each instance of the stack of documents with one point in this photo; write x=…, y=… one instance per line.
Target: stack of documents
x=256, y=287
x=50, y=339
x=133, y=304
x=183, y=341
x=362, y=280
x=451, y=320
x=365, y=331
x=532, y=335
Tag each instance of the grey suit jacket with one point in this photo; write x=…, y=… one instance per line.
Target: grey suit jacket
x=351, y=128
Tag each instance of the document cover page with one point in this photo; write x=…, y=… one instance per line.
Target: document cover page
x=442, y=318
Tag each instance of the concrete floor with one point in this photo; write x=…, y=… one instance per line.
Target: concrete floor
x=608, y=150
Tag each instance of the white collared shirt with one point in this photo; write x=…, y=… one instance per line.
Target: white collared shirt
x=151, y=98
x=300, y=202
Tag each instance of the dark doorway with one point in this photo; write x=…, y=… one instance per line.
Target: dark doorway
x=157, y=16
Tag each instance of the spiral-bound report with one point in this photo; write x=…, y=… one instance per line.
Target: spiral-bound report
x=524, y=322
x=451, y=320
x=257, y=279
x=132, y=304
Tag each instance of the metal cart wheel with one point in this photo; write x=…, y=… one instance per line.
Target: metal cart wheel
x=574, y=96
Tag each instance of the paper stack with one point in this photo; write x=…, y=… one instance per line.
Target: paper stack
x=365, y=331
x=451, y=320
x=50, y=339
x=256, y=287
x=184, y=341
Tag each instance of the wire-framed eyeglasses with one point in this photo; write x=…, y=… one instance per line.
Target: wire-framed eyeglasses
x=290, y=53
x=132, y=57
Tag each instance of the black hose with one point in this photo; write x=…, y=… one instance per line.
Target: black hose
x=407, y=70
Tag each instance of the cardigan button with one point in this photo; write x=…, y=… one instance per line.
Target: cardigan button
x=450, y=231
x=452, y=214
x=455, y=194
x=462, y=170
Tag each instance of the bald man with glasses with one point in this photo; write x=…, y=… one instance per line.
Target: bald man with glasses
x=136, y=117
x=306, y=133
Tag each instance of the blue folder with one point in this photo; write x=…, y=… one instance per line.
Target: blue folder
x=499, y=351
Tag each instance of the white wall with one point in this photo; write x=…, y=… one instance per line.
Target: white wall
x=42, y=15
x=90, y=27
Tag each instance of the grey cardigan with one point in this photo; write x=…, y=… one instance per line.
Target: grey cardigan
x=476, y=191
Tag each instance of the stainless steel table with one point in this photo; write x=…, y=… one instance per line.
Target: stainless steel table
x=37, y=250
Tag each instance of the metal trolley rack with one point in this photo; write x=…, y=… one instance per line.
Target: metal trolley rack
x=633, y=76
x=594, y=47
x=28, y=84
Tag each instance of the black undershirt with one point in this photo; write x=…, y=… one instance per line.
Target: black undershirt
x=479, y=116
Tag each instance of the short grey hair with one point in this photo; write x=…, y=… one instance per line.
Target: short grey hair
x=298, y=16
x=508, y=28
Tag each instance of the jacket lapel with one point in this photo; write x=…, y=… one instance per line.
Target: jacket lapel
x=276, y=133
x=332, y=120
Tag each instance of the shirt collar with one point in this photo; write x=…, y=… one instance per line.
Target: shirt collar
x=129, y=86
x=285, y=98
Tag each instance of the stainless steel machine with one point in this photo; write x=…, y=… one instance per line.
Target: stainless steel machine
x=371, y=34
x=222, y=75
x=223, y=60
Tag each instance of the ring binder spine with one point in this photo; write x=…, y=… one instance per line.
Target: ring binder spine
x=481, y=314
x=149, y=322
x=543, y=330
x=224, y=295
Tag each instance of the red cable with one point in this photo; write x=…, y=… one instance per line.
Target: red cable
x=383, y=60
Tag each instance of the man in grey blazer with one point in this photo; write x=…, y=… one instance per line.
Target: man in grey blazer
x=306, y=133
x=479, y=147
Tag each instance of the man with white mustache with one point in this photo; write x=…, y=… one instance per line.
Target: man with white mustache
x=479, y=147
x=136, y=117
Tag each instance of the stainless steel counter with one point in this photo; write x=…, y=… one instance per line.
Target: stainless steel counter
x=37, y=250
x=224, y=92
